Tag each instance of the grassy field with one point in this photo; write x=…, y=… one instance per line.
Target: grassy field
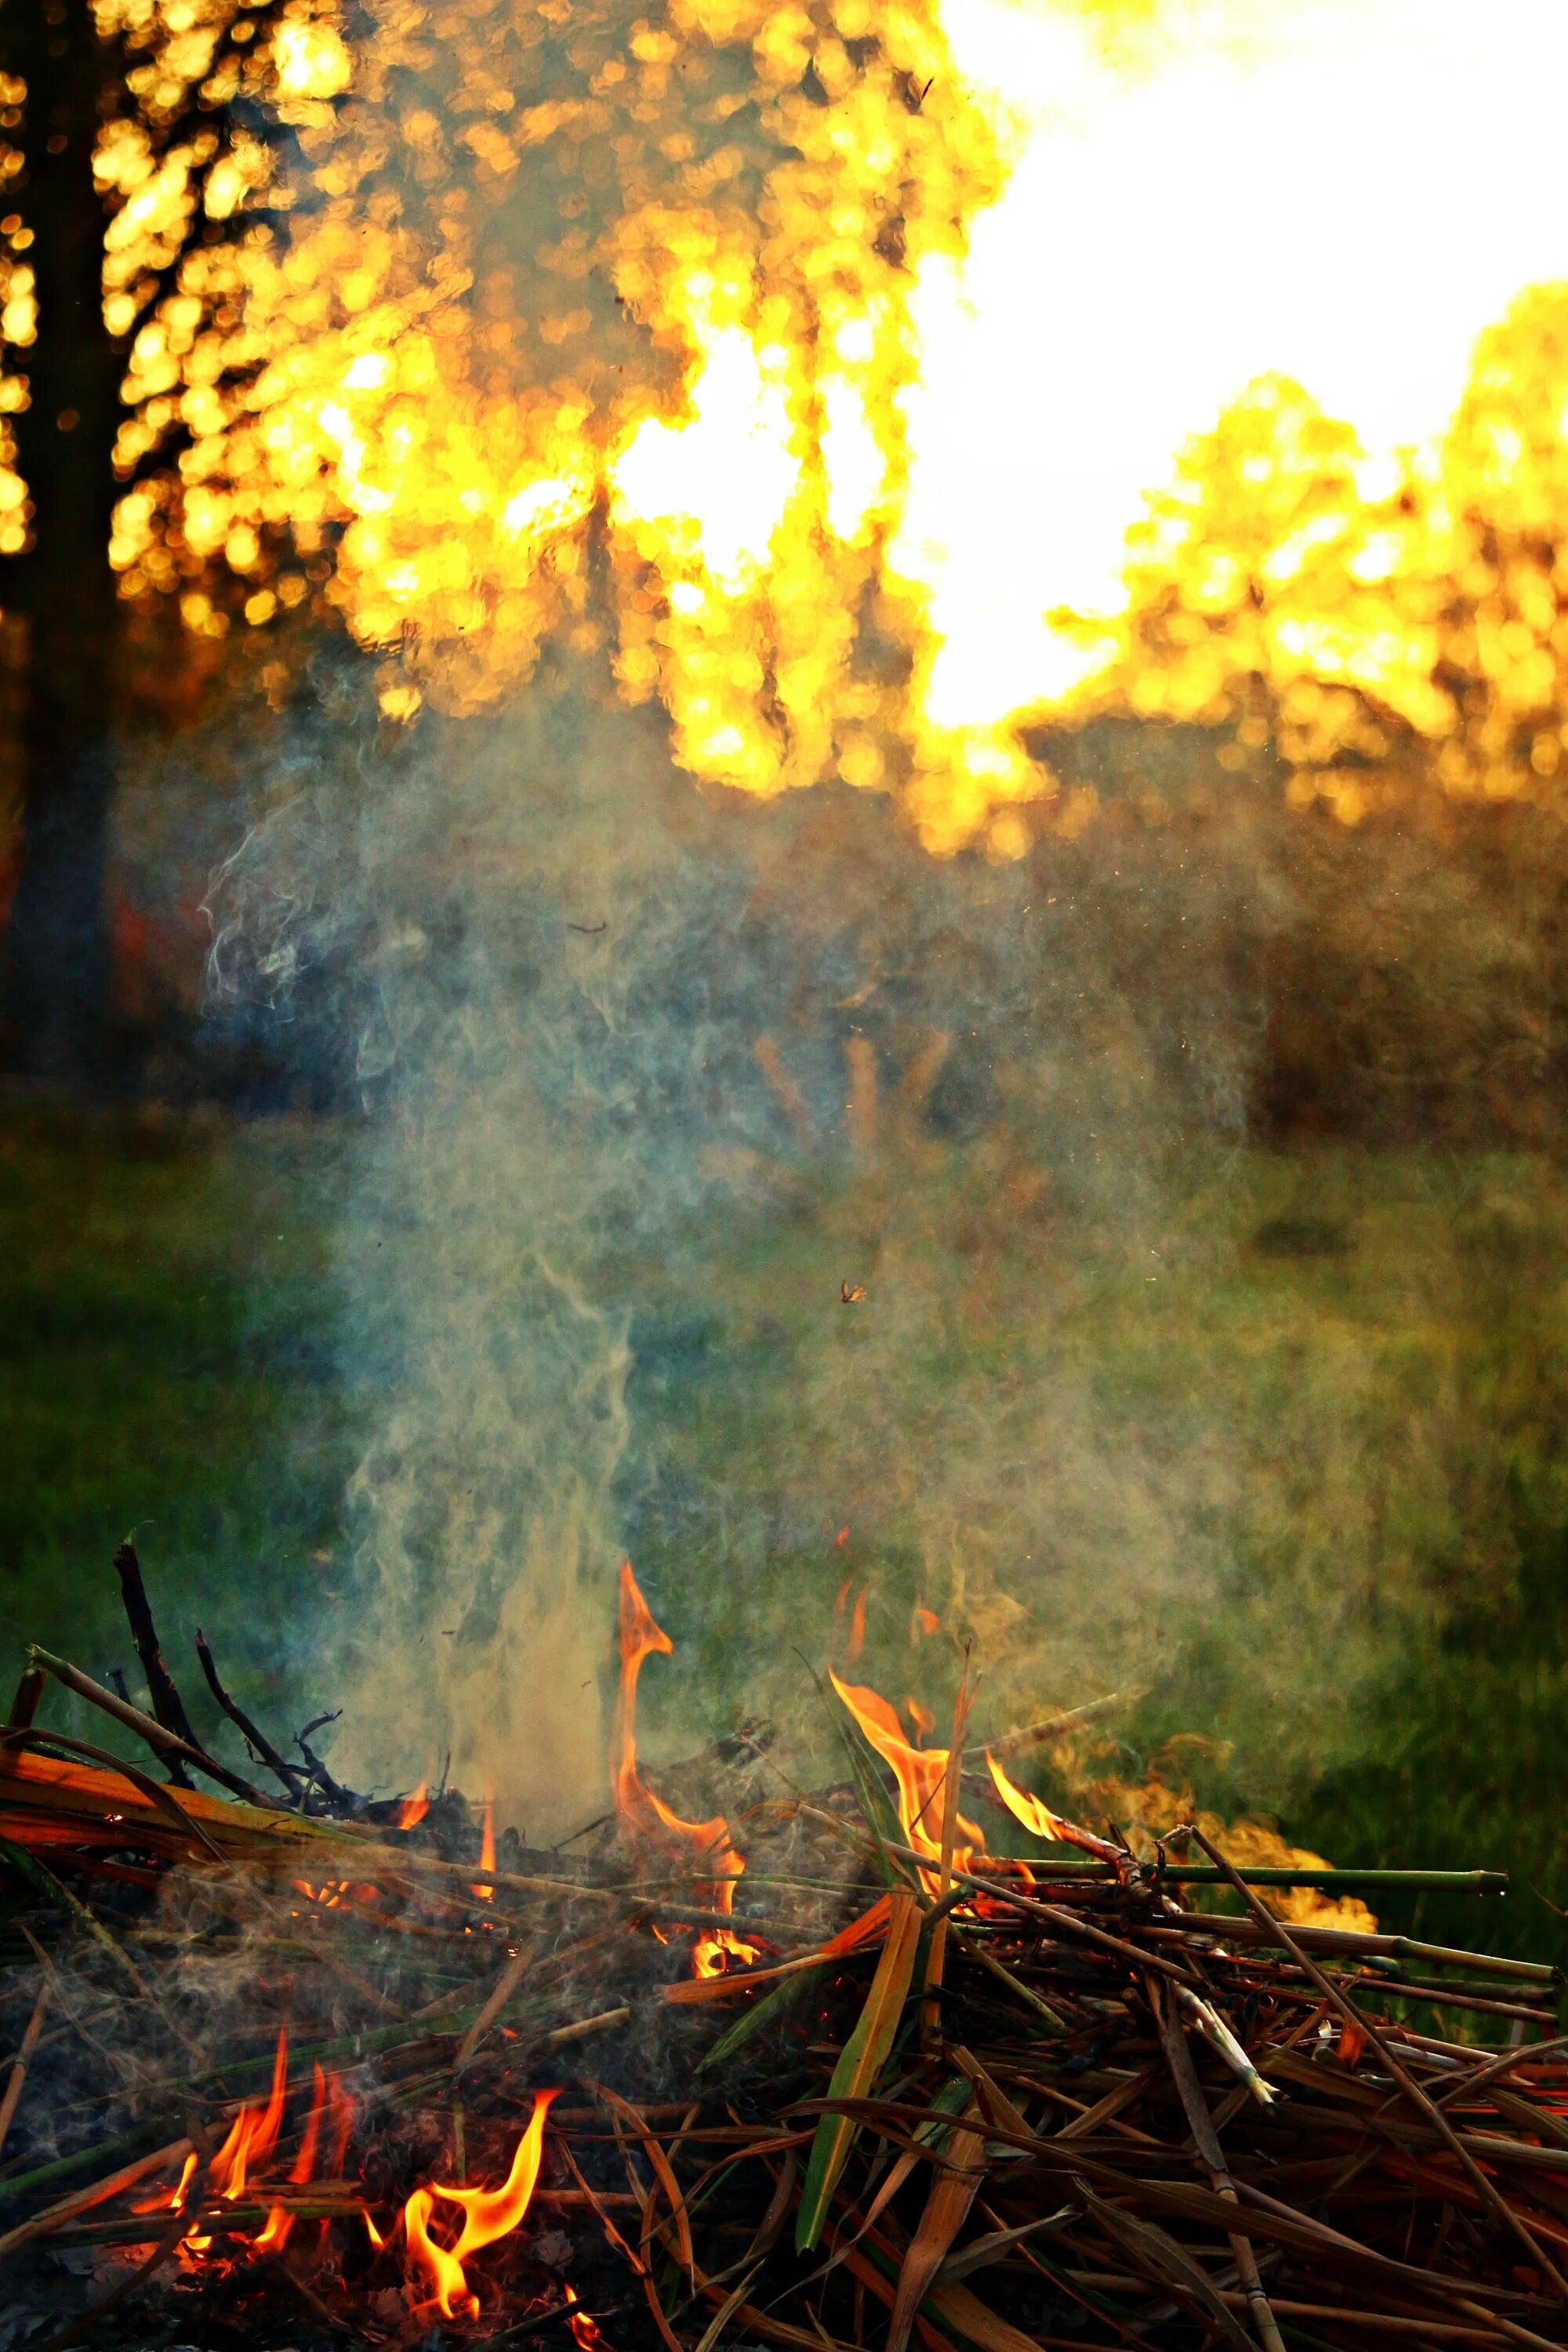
x=1288, y=1445
x=1285, y=1443
x=165, y=1367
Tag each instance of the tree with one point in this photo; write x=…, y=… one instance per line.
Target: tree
x=594, y=319
x=1284, y=588
x=1368, y=622
x=1503, y=662
x=469, y=322
x=130, y=130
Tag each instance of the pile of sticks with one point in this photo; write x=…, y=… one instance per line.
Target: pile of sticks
x=996, y=2107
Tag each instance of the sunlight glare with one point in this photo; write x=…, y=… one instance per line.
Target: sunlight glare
x=1348, y=201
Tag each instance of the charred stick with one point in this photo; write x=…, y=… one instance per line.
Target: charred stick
x=166, y=1743
x=1055, y=1916
x=1173, y=2034
x=1487, y=2190
x=129, y=2175
x=1004, y=1975
x=261, y=1746
x=25, y=1705
x=500, y=1994
x=23, y=2059
x=1260, y=1928
x=947, y=1893
x=167, y=1705
x=1504, y=2064
x=319, y=1776
x=1390, y=2322
x=1454, y=1997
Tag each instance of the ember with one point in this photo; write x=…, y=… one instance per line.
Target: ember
x=973, y=2101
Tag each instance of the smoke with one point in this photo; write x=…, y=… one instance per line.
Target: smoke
x=637, y=1083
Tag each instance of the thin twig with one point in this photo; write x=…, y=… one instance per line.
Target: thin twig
x=19, y=2065
x=1487, y=2190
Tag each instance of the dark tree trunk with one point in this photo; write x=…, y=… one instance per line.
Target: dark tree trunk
x=57, y=965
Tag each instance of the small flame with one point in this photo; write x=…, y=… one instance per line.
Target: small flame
x=172, y=2201
x=252, y=2138
x=919, y=1773
x=856, y=1640
x=279, y=2221
x=345, y=2113
x=645, y=1814
x=253, y=2134
x=1038, y=1817
x=449, y=2282
x=412, y=1810
x=487, y=2214
x=586, y=2330
x=487, y=1845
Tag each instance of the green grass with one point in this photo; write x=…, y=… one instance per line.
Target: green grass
x=166, y=1367
x=1282, y=1438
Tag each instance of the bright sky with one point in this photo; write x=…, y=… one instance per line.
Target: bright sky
x=1349, y=204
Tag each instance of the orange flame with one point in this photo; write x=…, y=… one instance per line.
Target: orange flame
x=919, y=1773
x=645, y=1814
x=1038, y=1817
x=585, y=2331
x=171, y=2200
x=344, y=2110
x=856, y=1641
x=448, y=2281
x=279, y=2221
x=252, y=2138
x=412, y=1810
x=253, y=2134
x=487, y=2214
x=487, y=1845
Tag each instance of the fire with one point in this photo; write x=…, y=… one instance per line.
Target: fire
x=855, y=1641
x=487, y=1846
x=1038, y=1817
x=412, y=1810
x=251, y=2141
x=645, y=1815
x=279, y=2222
x=449, y=2282
x=487, y=2214
x=586, y=2331
x=173, y=2201
x=345, y=2113
x=919, y=1773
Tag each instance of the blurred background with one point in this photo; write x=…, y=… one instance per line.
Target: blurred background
x=782, y=786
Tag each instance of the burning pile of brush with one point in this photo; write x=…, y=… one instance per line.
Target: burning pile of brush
x=816, y=2070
